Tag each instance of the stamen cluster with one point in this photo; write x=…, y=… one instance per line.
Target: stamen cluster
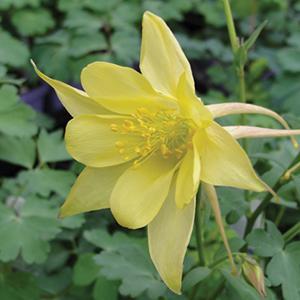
x=163, y=132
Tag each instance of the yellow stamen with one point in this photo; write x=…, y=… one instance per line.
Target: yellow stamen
x=120, y=144
x=137, y=150
x=114, y=127
x=163, y=132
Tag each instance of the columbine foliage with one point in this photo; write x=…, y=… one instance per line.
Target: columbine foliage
x=88, y=256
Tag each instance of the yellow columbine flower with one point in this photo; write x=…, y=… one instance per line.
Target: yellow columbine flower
x=147, y=141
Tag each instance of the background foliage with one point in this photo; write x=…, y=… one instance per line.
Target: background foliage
x=90, y=256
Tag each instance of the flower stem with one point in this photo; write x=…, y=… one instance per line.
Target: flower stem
x=239, y=65
x=199, y=239
x=280, y=215
x=242, y=95
x=292, y=232
x=198, y=230
x=242, y=84
x=231, y=28
x=265, y=202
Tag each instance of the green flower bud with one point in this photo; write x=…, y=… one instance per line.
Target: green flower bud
x=254, y=275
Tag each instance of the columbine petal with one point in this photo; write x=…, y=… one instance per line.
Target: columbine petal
x=91, y=140
x=232, y=108
x=258, y=132
x=188, y=178
x=91, y=190
x=190, y=105
x=169, y=235
x=121, y=89
x=224, y=162
x=140, y=192
x=74, y=100
x=162, y=60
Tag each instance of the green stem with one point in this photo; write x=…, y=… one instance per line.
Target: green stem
x=280, y=215
x=242, y=84
x=292, y=232
x=242, y=95
x=199, y=239
x=242, y=89
x=230, y=26
x=265, y=202
x=240, y=72
x=198, y=230
x=221, y=260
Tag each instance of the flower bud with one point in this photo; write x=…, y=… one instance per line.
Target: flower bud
x=254, y=275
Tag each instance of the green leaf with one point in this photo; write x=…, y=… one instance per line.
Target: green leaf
x=85, y=270
x=195, y=276
x=54, y=60
x=284, y=270
x=125, y=45
x=285, y=92
x=5, y=4
x=51, y=147
x=266, y=243
x=101, y=5
x=105, y=289
x=19, y=151
x=56, y=53
x=102, y=239
x=73, y=222
x=255, y=34
x=212, y=11
x=55, y=283
x=16, y=118
x=27, y=227
x=126, y=14
x=30, y=22
x=83, y=21
x=67, y=5
x=12, y=52
x=230, y=201
x=294, y=39
x=86, y=43
x=288, y=58
x=18, y=286
x=235, y=243
x=45, y=181
x=237, y=288
x=125, y=258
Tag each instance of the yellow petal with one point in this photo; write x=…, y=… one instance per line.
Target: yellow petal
x=224, y=162
x=188, y=178
x=257, y=132
x=91, y=140
x=91, y=190
x=232, y=108
x=190, y=105
x=162, y=60
x=140, y=192
x=75, y=101
x=121, y=89
x=169, y=235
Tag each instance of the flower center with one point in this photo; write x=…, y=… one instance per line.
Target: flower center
x=163, y=132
